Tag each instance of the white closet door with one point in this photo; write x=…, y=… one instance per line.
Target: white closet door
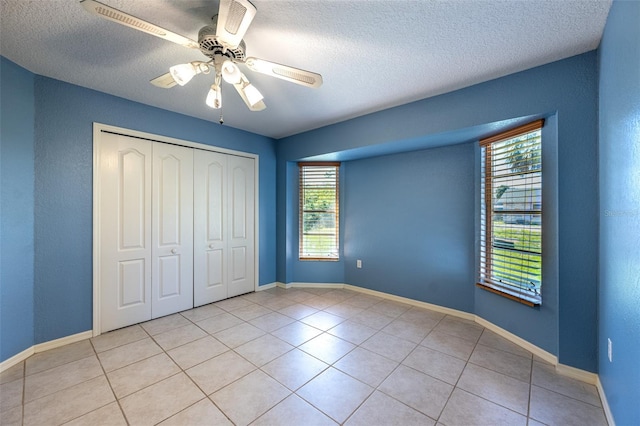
x=124, y=197
x=240, y=205
x=172, y=255
x=209, y=227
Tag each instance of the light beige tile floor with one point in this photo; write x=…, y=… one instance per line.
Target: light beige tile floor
x=296, y=357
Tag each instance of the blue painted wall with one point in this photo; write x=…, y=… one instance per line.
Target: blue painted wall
x=47, y=158
x=619, y=300
x=537, y=325
x=565, y=90
x=16, y=209
x=46, y=195
x=410, y=219
x=63, y=192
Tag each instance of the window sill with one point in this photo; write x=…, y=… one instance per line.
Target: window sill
x=518, y=297
x=319, y=259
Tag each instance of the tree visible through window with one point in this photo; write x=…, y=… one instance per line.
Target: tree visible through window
x=319, y=211
x=511, y=214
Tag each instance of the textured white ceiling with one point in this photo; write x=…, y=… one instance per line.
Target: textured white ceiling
x=372, y=54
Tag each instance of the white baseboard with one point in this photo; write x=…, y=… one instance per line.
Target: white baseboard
x=605, y=403
x=565, y=370
x=575, y=373
x=41, y=347
x=578, y=374
x=16, y=359
x=312, y=285
x=267, y=286
x=412, y=302
x=52, y=344
x=393, y=297
x=548, y=357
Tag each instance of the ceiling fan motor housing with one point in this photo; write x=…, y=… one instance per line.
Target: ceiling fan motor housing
x=210, y=46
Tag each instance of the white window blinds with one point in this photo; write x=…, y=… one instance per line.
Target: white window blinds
x=319, y=211
x=511, y=214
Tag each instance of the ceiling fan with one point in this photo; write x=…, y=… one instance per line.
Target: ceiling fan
x=222, y=43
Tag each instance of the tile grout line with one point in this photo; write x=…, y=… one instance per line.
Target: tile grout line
x=568, y=396
x=530, y=392
x=183, y=371
x=24, y=388
x=376, y=388
x=465, y=366
x=333, y=302
x=104, y=373
x=118, y=400
x=24, y=402
x=257, y=368
x=332, y=365
x=291, y=392
x=417, y=345
x=498, y=372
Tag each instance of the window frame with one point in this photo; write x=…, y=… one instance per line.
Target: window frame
x=486, y=258
x=301, y=212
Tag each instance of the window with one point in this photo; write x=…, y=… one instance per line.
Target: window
x=319, y=211
x=511, y=214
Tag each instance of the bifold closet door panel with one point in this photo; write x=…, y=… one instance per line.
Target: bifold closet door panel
x=210, y=227
x=124, y=197
x=172, y=236
x=175, y=228
x=241, y=210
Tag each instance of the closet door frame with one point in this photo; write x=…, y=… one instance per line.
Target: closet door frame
x=98, y=130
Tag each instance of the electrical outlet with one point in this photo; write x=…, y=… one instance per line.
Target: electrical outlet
x=358, y=263
x=610, y=350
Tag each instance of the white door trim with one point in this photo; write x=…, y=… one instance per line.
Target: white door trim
x=98, y=128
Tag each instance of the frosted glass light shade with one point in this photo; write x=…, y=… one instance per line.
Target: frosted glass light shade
x=183, y=73
x=253, y=95
x=214, y=97
x=231, y=73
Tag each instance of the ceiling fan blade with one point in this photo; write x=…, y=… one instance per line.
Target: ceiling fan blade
x=165, y=81
x=234, y=18
x=294, y=75
x=247, y=90
x=107, y=12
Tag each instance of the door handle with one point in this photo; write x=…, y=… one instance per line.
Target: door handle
x=211, y=246
x=174, y=251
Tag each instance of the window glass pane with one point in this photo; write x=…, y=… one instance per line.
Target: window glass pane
x=511, y=215
x=319, y=212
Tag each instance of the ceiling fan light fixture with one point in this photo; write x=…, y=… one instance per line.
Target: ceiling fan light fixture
x=225, y=48
x=253, y=95
x=214, y=97
x=183, y=73
x=231, y=73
